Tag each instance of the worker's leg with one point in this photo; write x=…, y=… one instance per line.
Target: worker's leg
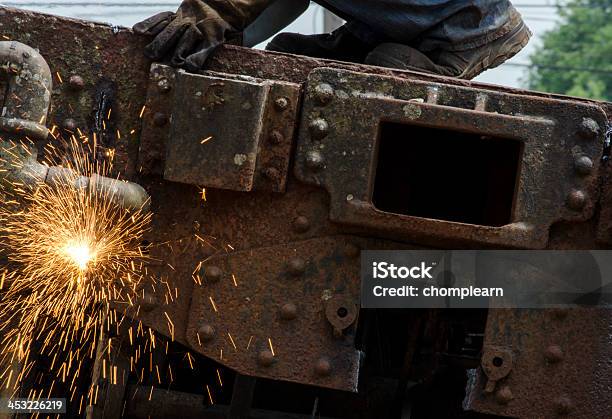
x=274, y=19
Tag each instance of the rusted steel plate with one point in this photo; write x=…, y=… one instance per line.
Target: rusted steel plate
x=266, y=312
x=219, y=130
x=340, y=139
x=559, y=364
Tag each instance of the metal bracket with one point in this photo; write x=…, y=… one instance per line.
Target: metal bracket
x=266, y=312
x=219, y=130
x=339, y=144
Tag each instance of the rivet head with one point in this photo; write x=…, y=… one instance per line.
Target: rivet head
x=589, y=129
x=504, y=395
x=70, y=124
x=271, y=173
x=301, y=224
x=314, y=160
x=160, y=119
x=213, y=273
x=164, y=85
x=76, y=82
x=563, y=405
x=265, y=358
x=148, y=302
x=554, y=353
x=206, y=332
x=576, y=200
x=323, y=367
x=324, y=93
x=281, y=104
x=583, y=165
x=297, y=266
x=319, y=128
x=288, y=311
x=276, y=137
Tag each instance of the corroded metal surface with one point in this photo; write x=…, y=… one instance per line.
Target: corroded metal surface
x=560, y=364
x=258, y=312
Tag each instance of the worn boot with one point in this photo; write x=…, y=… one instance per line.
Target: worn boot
x=465, y=64
x=339, y=45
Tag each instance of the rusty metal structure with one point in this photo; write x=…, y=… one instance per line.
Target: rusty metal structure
x=304, y=163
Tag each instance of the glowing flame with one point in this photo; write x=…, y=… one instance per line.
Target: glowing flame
x=79, y=253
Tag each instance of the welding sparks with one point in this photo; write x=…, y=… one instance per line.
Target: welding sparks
x=73, y=254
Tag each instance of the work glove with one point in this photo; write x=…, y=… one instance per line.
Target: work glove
x=190, y=35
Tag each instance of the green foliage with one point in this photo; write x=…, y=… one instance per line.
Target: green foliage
x=576, y=57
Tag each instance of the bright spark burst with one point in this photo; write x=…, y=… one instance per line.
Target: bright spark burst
x=74, y=256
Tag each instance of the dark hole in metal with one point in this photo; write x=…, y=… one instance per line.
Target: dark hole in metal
x=342, y=312
x=446, y=175
x=498, y=362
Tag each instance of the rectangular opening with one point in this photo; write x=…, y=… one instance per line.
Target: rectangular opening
x=446, y=175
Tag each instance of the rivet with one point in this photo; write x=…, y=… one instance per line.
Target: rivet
x=324, y=93
x=148, y=302
x=160, y=119
x=281, y=104
x=70, y=124
x=288, y=311
x=164, y=85
x=504, y=395
x=276, y=137
x=323, y=367
x=554, y=353
x=319, y=128
x=589, y=129
x=314, y=160
x=301, y=224
x=265, y=358
x=213, y=273
x=563, y=405
x=271, y=173
x=297, y=266
x=576, y=200
x=206, y=332
x=583, y=165
x=76, y=82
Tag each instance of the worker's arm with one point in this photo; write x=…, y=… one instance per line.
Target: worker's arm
x=188, y=36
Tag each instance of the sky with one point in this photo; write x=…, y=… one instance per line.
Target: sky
x=540, y=16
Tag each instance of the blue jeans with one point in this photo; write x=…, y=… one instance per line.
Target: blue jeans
x=424, y=24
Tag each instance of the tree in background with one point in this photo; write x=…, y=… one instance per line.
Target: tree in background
x=576, y=57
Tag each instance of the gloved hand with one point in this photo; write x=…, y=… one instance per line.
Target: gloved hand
x=188, y=36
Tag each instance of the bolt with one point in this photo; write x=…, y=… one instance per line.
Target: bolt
x=319, y=128
x=554, y=353
x=206, y=332
x=301, y=224
x=297, y=266
x=148, y=302
x=164, y=85
x=314, y=160
x=271, y=173
x=583, y=165
x=589, y=129
x=213, y=273
x=160, y=119
x=276, y=137
x=265, y=358
x=504, y=395
x=324, y=93
x=76, y=82
x=288, y=311
x=323, y=367
x=281, y=104
x=563, y=405
x=576, y=200
x=70, y=124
